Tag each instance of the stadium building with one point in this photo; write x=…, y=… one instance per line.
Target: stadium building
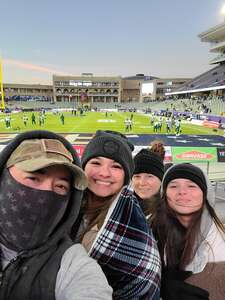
x=155, y=89
x=211, y=82
x=90, y=89
x=86, y=88
x=28, y=92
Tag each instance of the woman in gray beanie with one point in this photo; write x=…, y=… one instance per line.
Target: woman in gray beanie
x=113, y=228
x=190, y=236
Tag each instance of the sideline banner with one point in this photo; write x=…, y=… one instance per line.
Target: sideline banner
x=221, y=154
x=79, y=149
x=190, y=154
x=210, y=124
x=168, y=153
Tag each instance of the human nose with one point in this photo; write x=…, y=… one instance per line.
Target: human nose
x=105, y=171
x=182, y=190
x=143, y=181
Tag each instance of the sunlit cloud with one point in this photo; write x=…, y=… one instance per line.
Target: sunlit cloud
x=33, y=67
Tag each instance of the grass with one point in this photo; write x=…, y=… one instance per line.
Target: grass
x=92, y=121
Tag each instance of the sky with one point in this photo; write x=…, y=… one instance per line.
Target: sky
x=105, y=37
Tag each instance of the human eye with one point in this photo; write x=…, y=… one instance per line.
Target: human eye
x=150, y=176
x=62, y=188
x=94, y=162
x=32, y=178
x=136, y=176
x=172, y=185
x=192, y=185
x=117, y=166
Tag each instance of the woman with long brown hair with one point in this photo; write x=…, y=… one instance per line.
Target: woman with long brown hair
x=191, y=238
x=113, y=228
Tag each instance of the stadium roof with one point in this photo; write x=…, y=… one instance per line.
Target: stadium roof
x=221, y=87
x=141, y=76
x=216, y=33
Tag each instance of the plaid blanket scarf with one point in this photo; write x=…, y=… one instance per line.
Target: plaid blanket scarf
x=127, y=251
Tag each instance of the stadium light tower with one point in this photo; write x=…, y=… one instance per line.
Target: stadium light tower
x=1, y=87
x=223, y=11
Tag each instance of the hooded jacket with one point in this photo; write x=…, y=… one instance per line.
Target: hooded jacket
x=57, y=269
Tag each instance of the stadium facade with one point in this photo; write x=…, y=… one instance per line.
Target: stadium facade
x=91, y=89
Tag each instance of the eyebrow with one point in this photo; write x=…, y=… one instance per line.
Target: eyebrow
x=43, y=171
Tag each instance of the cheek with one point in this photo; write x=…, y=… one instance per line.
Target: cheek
x=199, y=199
x=89, y=172
x=155, y=185
x=120, y=175
x=170, y=199
x=134, y=182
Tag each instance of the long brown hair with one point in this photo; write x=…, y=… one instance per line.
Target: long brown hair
x=177, y=244
x=175, y=241
x=95, y=215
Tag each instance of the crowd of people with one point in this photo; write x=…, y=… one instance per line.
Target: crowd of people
x=111, y=226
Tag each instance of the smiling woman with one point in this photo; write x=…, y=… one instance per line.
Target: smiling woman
x=191, y=237
x=146, y=180
x=113, y=228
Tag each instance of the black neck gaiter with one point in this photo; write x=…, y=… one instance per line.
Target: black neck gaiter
x=27, y=216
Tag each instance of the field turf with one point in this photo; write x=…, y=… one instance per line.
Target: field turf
x=91, y=121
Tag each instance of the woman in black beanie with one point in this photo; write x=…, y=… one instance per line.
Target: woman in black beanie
x=146, y=180
x=190, y=236
x=113, y=228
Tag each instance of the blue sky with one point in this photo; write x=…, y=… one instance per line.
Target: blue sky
x=105, y=37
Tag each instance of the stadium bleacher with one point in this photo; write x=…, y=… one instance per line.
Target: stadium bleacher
x=213, y=77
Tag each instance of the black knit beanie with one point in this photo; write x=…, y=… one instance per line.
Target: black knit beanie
x=187, y=171
x=147, y=161
x=111, y=145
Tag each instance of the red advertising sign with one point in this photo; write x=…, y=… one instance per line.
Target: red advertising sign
x=210, y=124
x=79, y=149
x=194, y=155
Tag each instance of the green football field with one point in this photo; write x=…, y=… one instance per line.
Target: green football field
x=91, y=121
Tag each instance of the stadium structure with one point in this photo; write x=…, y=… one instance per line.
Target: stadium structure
x=211, y=82
x=92, y=89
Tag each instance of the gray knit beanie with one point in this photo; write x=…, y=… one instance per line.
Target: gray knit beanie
x=111, y=145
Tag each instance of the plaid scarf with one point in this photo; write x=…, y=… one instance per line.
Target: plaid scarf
x=127, y=251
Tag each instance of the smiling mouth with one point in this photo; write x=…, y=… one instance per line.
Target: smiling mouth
x=186, y=205
x=106, y=183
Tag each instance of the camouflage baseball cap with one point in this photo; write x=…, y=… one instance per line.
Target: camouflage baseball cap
x=35, y=154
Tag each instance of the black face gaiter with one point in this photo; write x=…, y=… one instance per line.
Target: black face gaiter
x=27, y=216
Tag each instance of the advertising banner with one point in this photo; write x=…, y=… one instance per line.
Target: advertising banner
x=190, y=154
x=210, y=124
x=221, y=154
x=79, y=149
x=168, y=153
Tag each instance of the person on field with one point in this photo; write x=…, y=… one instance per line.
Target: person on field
x=190, y=236
x=113, y=227
x=33, y=119
x=41, y=186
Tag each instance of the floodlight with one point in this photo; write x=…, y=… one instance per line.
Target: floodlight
x=223, y=10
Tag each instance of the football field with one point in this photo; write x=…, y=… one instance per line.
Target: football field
x=89, y=122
